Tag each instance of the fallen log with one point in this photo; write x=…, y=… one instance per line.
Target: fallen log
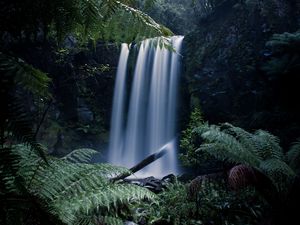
x=142, y=164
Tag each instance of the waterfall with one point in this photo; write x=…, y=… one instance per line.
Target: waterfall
x=145, y=123
x=116, y=130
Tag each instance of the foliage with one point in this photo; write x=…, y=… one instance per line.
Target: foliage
x=82, y=155
x=225, y=207
x=25, y=75
x=260, y=150
x=15, y=120
x=178, y=15
x=214, y=204
x=71, y=192
x=85, y=19
x=187, y=141
x=285, y=54
x=182, y=210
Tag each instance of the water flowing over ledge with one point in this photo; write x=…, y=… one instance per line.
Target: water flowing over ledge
x=145, y=122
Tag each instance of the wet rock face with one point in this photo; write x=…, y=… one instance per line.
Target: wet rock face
x=224, y=55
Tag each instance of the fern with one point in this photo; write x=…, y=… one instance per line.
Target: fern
x=121, y=15
x=86, y=19
x=25, y=75
x=74, y=192
x=82, y=155
x=226, y=147
x=15, y=121
x=267, y=145
x=260, y=150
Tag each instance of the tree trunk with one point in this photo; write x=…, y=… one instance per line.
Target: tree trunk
x=142, y=164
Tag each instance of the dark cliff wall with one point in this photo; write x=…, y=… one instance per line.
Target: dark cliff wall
x=82, y=89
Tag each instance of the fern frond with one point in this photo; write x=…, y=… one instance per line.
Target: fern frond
x=73, y=192
x=268, y=145
x=15, y=120
x=226, y=147
x=82, y=155
x=107, y=19
x=8, y=169
x=260, y=150
x=25, y=75
x=18, y=126
x=278, y=171
x=244, y=137
x=101, y=200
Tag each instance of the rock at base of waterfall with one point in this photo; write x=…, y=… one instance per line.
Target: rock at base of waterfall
x=153, y=184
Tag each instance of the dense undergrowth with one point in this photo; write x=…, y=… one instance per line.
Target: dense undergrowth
x=239, y=176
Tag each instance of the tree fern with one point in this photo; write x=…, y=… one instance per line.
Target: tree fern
x=18, y=77
x=278, y=171
x=260, y=150
x=25, y=75
x=226, y=147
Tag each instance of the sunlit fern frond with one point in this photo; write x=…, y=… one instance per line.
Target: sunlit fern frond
x=108, y=20
x=293, y=156
x=16, y=122
x=122, y=23
x=82, y=155
x=61, y=179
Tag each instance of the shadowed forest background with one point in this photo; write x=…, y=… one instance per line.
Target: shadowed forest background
x=238, y=123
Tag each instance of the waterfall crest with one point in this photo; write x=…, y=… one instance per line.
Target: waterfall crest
x=145, y=124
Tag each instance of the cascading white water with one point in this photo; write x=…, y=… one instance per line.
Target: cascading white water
x=149, y=122
x=116, y=130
